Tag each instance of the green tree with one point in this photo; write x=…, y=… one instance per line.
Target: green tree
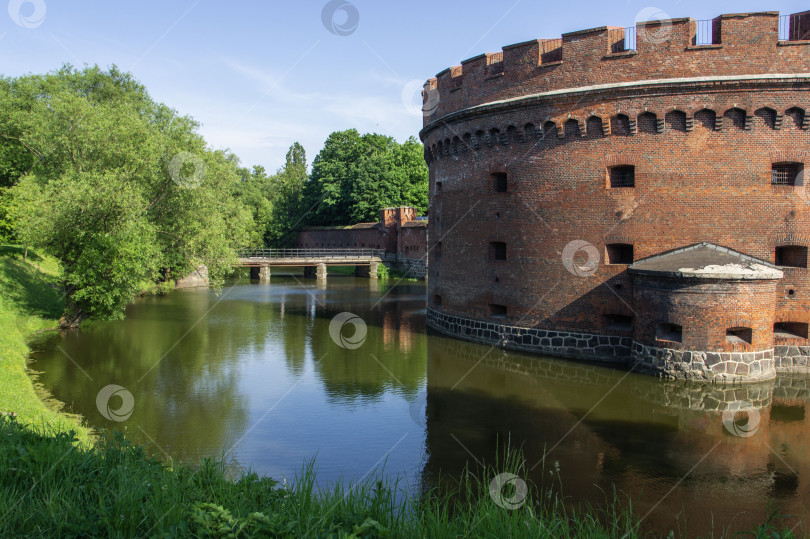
x=289, y=209
x=104, y=193
x=325, y=192
x=257, y=191
x=355, y=175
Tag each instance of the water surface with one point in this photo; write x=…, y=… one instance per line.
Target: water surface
x=253, y=374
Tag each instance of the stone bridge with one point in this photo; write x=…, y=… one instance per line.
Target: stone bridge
x=314, y=261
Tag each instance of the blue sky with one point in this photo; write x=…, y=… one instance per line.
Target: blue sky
x=261, y=75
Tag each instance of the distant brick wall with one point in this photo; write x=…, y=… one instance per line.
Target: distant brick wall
x=398, y=232
x=702, y=151
x=342, y=237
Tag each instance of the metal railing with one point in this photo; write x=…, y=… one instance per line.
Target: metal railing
x=794, y=27
x=320, y=253
x=705, y=34
x=785, y=174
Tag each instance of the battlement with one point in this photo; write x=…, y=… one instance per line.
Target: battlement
x=731, y=44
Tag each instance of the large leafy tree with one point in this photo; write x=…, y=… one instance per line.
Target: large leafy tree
x=119, y=188
x=355, y=175
x=258, y=191
x=288, y=209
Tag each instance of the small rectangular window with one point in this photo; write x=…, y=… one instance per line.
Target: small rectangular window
x=497, y=250
x=623, y=176
x=791, y=256
x=738, y=335
x=437, y=250
x=438, y=187
x=500, y=182
x=790, y=330
x=497, y=311
x=786, y=173
x=669, y=332
x=618, y=322
x=437, y=300
x=619, y=253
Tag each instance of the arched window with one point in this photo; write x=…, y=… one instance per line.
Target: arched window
x=646, y=123
x=676, y=120
x=620, y=125
x=593, y=127
x=794, y=118
x=736, y=118
x=766, y=117
x=571, y=128
x=706, y=118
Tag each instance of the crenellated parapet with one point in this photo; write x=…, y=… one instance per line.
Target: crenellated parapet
x=729, y=45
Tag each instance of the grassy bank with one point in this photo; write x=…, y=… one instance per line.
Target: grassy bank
x=30, y=301
x=116, y=490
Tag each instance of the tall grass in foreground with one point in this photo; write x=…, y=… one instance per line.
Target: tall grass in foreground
x=49, y=487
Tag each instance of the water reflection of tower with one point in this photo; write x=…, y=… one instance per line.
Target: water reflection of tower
x=398, y=326
x=649, y=439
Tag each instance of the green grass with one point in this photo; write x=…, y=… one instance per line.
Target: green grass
x=384, y=272
x=30, y=301
x=53, y=488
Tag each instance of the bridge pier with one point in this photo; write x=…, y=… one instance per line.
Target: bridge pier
x=320, y=272
x=264, y=275
x=369, y=271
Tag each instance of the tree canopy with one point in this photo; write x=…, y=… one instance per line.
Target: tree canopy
x=355, y=175
x=124, y=191
x=117, y=187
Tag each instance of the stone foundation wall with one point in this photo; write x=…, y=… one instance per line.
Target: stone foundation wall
x=197, y=279
x=606, y=348
x=792, y=359
x=728, y=367
x=723, y=367
x=413, y=267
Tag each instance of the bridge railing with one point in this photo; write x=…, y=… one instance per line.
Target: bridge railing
x=313, y=253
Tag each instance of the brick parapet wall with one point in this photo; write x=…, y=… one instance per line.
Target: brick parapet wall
x=748, y=43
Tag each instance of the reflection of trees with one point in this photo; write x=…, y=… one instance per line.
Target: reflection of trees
x=640, y=434
x=189, y=401
x=392, y=358
x=183, y=380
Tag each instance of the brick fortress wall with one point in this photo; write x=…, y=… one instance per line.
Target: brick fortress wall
x=521, y=147
x=399, y=232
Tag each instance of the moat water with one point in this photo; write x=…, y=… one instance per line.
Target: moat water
x=254, y=374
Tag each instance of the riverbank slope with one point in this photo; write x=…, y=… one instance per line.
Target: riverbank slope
x=30, y=301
